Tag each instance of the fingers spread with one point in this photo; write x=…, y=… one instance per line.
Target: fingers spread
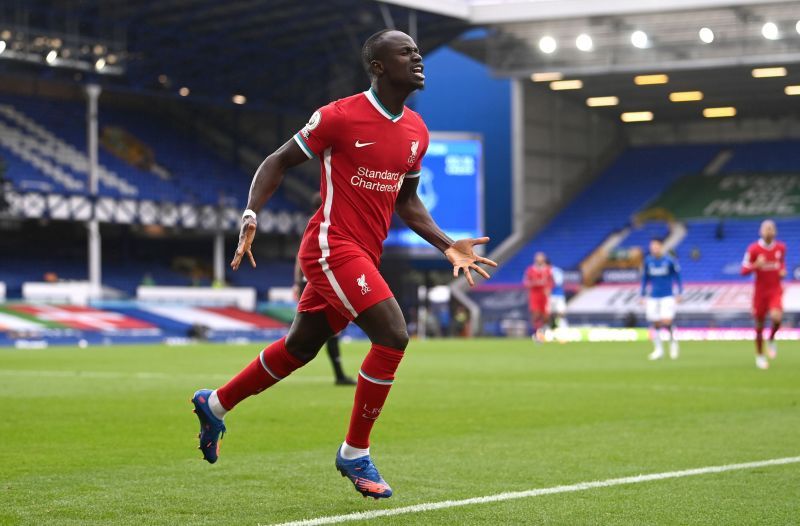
x=487, y=261
x=468, y=275
x=455, y=272
x=252, y=259
x=479, y=270
x=480, y=240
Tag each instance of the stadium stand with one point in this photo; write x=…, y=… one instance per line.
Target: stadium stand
x=44, y=142
x=641, y=236
x=635, y=177
x=720, y=258
x=639, y=175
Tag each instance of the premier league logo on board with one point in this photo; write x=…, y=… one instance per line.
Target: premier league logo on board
x=312, y=123
x=414, y=148
x=426, y=191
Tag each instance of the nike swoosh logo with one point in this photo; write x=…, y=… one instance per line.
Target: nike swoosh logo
x=362, y=144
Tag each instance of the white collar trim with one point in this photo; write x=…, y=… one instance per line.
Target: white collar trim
x=763, y=244
x=378, y=105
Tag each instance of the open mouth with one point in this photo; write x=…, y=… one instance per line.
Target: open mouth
x=417, y=71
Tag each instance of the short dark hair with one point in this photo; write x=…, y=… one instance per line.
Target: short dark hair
x=368, y=50
x=658, y=239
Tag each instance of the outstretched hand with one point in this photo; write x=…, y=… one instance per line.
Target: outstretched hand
x=463, y=257
x=246, y=235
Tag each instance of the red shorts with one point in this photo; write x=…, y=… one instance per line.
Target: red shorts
x=538, y=303
x=343, y=289
x=766, y=301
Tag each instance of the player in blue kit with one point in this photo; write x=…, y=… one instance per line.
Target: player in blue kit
x=662, y=273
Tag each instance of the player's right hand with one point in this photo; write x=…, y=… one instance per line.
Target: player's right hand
x=246, y=235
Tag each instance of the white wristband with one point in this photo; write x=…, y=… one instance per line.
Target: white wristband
x=249, y=213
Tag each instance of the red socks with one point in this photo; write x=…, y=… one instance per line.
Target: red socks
x=374, y=381
x=272, y=365
x=775, y=327
x=275, y=363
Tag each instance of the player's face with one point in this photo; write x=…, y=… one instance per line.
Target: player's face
x=656, y=248
x=401, y=62
x=540, y=260
x=768, y=231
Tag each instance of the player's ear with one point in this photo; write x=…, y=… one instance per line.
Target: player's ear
x=377, y=68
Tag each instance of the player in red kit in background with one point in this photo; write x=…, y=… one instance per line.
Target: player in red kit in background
x=538, y=280
x=766, y=258
x=370, y=149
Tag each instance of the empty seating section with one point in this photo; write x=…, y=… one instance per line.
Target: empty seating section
x=637, y=176
x=43, y=143
x=705, y=256
x=641, y=236
x=50, y=154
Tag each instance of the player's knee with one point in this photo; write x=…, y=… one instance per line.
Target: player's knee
x=303, y=347
x=395, y=337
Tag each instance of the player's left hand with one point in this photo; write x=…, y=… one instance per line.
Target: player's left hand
x=463, y=258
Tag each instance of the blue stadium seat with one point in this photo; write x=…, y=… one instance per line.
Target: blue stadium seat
x=637, y=176
x=36, y=163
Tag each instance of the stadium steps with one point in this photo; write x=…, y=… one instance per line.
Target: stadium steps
x=197, y=175
x=47, y=152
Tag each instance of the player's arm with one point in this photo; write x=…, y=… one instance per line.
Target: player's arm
x=676, y=279
x=460, y=253
x=782, y=271
x=526, y=281
x=266, y=180
x=747, y=263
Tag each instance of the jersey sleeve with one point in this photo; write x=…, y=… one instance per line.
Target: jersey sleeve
x=321, y=130
x=747, y=262
x=422, y=148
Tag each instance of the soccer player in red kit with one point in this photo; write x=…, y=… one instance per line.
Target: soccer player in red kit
x=370, y=148
x=538, y=280
x=766, y=258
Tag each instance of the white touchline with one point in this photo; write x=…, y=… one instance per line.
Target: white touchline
x=581, y=486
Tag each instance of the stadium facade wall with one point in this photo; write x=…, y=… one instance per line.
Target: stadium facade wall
x=714, y=131
x=565, y=147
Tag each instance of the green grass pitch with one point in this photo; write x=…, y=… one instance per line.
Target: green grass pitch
x=106, y=435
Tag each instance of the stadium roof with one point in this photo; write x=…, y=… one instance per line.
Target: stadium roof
x=280, y=54
x=711, y=50
x=497, y=11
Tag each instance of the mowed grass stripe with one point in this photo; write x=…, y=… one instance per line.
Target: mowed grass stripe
x=514, y=495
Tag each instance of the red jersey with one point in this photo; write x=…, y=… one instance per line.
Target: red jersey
x=365, y=152
x=538, y=279
x=768, y=277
